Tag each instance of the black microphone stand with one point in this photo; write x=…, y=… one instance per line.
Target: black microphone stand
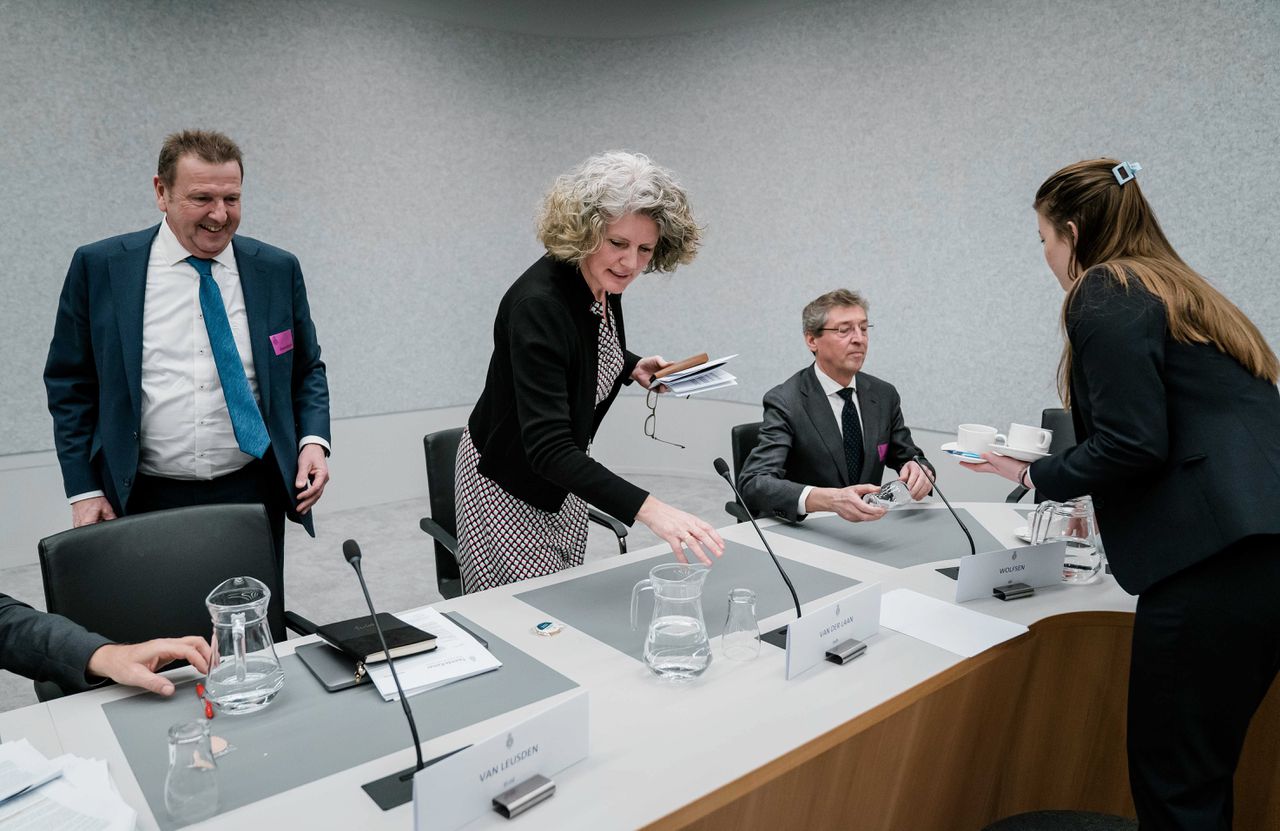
x=397, y=788
x=933, y=478
x=777, y=637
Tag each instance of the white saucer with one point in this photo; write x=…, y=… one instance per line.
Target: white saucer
x=1022, y=533
x=963, y=455
x=1017, y=453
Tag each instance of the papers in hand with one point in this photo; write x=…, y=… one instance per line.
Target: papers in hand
x=704, y=377
x=457, y=656
x=78, y=794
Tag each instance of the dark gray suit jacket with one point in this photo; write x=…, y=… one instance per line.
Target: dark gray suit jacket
x=45, y=647
x=800, y=443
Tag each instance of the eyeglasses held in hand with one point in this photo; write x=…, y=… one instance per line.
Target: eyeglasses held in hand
x=651, y=421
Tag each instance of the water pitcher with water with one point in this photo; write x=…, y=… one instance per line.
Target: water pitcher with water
x=244, y=672
x=1074, y=523
x=676, y=645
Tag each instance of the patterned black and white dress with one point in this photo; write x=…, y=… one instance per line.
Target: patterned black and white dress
x=503, y=539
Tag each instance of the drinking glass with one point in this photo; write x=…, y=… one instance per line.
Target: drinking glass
x=741, y=638
x=191, y=786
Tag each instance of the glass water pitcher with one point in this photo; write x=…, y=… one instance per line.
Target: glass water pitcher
x=676, y=646
x=244, y=671
x=1074, y=523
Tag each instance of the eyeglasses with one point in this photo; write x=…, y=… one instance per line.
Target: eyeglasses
x=651, y=422
x=847, y=330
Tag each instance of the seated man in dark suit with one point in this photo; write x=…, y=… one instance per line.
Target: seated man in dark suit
x=830, y=429
x=48, y=647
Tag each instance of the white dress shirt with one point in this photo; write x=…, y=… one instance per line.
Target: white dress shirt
x=832, y=388
x=186, y=429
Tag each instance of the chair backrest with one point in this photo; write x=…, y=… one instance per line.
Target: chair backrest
x=743, y=438
x=1064, y=429
x=441, y=449
x=147, y=576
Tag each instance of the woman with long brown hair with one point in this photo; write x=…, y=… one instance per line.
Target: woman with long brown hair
x=1173, y=393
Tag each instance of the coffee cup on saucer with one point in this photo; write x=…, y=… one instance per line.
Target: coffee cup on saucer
x=976, y=438
x=1026, y=438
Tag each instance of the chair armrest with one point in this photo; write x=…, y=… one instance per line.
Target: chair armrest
x=736, y=511
x=1016, y=494
x=298, y=623
x=619, y=530
x=439, y=534
x=600, y=518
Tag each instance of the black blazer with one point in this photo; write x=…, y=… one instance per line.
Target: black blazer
x=537, y=414
x=1179, y=443
x=800, y=443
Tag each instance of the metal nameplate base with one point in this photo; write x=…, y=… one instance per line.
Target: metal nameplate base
x=515, y=801
x=1013, y=591
x=846, y=651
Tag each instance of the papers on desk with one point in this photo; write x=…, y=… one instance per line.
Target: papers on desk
x=457, y=656
x=946, y=625
x=701, y=378
x=37, y=794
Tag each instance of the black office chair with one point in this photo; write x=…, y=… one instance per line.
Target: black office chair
x=147, y=576
x=1064, y=436
x=743, y=438
x=441, y=449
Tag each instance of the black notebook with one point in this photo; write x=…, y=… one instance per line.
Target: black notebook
x=358, y=638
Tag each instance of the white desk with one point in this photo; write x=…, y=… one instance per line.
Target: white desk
x=738, y=746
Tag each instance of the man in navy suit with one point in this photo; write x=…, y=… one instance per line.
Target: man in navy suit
x=184, y=367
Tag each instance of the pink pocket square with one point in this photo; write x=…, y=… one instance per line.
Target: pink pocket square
x=882, y=449
x=282, y=342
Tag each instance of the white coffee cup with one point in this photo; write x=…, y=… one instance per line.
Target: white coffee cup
x=976, y=438
x=1027, y=437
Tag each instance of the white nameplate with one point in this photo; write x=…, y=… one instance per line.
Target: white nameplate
x=1035, y=565
x=855, y=614
x=456, y=790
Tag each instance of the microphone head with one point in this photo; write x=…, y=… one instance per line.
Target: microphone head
x=722, y=468
x=351, y=550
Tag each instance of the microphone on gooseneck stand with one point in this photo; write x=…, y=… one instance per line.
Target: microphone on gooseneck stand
x=933, y=477
x=778, y=636
x=396, y=789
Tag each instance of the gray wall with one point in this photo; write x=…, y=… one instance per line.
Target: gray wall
x=889, y=146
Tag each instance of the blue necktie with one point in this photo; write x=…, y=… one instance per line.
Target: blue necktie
x=246, y=420
x=852, y=435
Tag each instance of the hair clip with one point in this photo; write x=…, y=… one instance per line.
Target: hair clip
x=1125, y=171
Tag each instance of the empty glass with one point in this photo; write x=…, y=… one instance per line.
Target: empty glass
x=676, y=646
x=741, y=638
x=1074, y=523
x=191, y=785
x=892, y=494
x=244, y=672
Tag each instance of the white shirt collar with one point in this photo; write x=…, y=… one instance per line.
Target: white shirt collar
x=830, y=386
x=167, y=249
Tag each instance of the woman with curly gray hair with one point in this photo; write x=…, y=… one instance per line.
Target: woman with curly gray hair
x=559, y=358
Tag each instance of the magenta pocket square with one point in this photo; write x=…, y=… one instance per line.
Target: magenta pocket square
x=282, y=342
x=882, y=449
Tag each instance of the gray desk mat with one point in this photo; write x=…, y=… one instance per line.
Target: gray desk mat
x=600, y=604
x=901, y=539
x=308, y=733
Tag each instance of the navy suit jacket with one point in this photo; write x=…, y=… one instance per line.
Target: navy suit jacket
x=800, y=443
x=94, y=372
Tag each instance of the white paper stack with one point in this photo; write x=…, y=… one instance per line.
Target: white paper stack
x=457, y=655
x=946, y=625
x=38, y=794
x=701, y=378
